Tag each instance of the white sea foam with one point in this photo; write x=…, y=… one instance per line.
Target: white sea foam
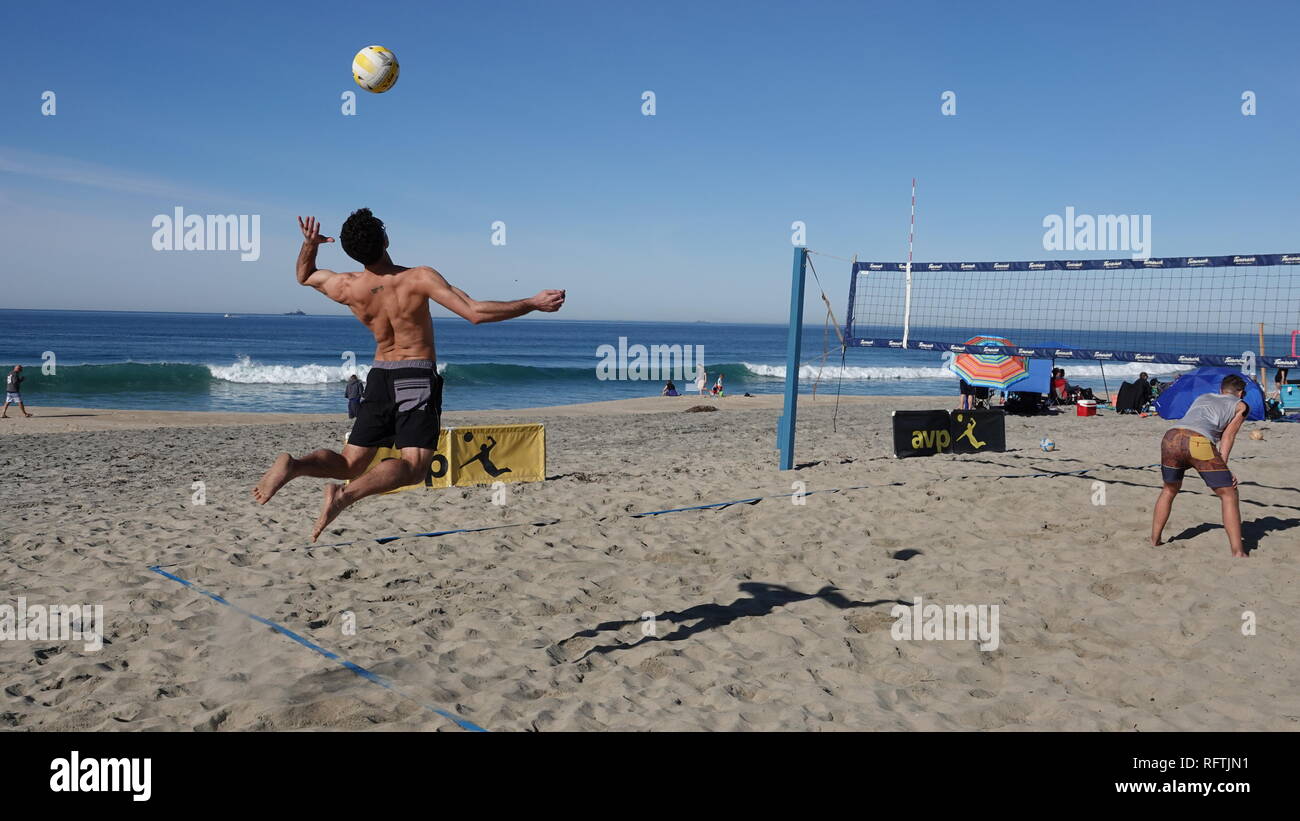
x=1118, y=369
x=851, y=372
x=245, y=371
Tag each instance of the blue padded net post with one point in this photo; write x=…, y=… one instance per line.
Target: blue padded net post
x=785, y=426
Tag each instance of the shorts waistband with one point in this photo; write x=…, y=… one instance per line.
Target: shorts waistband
x=404, y=363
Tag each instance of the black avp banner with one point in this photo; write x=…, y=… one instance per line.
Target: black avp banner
x=926, y=433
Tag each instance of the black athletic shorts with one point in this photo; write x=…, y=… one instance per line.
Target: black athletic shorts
x=401, y=406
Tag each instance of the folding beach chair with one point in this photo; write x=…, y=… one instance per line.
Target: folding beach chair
x=1289, y=397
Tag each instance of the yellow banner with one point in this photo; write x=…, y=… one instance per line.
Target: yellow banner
x=481, y=455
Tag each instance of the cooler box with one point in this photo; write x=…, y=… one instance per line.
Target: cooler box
x=1086, y=407
x=1290, y=397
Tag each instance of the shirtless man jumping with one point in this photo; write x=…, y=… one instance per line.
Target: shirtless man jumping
x=402, y=403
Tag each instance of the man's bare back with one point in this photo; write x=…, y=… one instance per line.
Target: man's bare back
x=394, y=306
x=402, y=407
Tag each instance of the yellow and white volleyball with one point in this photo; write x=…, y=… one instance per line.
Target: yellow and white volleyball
x=375, y=69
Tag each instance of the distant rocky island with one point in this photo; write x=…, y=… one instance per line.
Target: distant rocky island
x=294, y=313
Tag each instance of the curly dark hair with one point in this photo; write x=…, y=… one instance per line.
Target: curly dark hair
x=363, y=237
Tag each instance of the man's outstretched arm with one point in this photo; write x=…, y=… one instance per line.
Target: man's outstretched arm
x=478, y=311
x=323, y=280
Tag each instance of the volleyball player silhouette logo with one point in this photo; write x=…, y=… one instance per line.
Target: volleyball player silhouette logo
x=484, y=456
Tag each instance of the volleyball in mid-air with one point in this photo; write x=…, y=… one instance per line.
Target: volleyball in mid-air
x=375, y=69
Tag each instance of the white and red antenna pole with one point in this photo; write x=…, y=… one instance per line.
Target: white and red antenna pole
x=911, y=235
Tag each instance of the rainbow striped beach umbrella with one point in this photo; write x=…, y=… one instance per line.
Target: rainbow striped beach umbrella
x=990, y=370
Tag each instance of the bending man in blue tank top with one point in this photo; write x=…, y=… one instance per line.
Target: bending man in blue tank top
x=1202, y=439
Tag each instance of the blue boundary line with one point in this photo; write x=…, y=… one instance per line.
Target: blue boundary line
x=372, y=677
x=711, y=506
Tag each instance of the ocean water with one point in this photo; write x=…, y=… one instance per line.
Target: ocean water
x=214, y=362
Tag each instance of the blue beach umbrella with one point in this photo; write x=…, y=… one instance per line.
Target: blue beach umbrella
x=1182, y=392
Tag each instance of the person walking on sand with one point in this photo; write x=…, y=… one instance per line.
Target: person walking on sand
x=1203, y=439
x=402, y=401
x=701, y=379
x=14, y=392
x=353, y=394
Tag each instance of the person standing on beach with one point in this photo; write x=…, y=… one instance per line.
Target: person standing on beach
x=701, y=379
x=13, y=392
x=353, y=394
x=402, y=405
x=1203, y=439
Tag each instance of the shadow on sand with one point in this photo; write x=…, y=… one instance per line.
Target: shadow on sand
x=763, y=598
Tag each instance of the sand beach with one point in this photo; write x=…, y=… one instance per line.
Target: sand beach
x=768, y=615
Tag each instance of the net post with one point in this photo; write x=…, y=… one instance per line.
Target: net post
x=853, y=287
x=1261, y=356
x=911, y=235
x=785, y=426
x=907, y=305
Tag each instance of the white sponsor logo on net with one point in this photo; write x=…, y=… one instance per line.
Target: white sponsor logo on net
x=1190, y=360
x=1290, y=259
x=1144, y=357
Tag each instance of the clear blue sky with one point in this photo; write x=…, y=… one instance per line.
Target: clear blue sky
x=530, y=113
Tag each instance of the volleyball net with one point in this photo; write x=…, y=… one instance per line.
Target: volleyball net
x=1189, y=311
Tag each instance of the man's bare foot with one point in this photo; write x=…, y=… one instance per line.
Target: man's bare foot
x=332, y=506
x=1242, y=555
x=1157, y=542
x=28, y=415
x=275, y=478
